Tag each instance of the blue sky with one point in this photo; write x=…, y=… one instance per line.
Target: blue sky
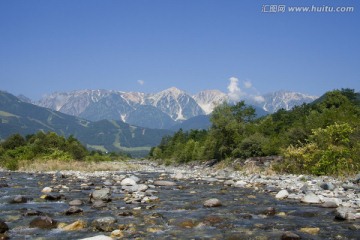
x=48, y=46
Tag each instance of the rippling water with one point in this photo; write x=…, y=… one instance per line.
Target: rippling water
x=179, y=214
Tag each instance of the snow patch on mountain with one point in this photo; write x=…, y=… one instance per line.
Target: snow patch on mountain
x=209, y=99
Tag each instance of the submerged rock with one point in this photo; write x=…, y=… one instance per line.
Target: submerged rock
x=19, y=199
x=43, y=222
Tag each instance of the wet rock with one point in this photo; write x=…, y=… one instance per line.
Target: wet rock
x=345, y=213
x=76, y=202
x=73, y=210
x=19, y=199
x=3, y=226
x=98, y=237
x=164, y=183
x=310, y=197
x=117, y=234
x=327, y=186
x=310, y=230
x=3, y=185
x=103, y=194
x=32, y=213
x=270, y=211
x=98, y=204
x=282, y=194
x=213, y=202
x=43, y=222
x=75, y=226
x=128, y=182
x=289, y=236
x=105, y=224
x=125, y=213
x=52, y=197
x=46, y=190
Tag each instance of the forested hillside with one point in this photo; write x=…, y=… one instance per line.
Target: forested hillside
x=317, y=138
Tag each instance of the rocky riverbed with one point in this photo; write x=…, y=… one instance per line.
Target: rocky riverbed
x=158, y=202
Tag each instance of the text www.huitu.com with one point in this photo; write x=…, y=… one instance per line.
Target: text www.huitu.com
x=270, y=8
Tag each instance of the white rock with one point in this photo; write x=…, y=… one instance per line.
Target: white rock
x=98, y=237
x=240, y=183
x=311, y=198
x=128, y=182
x=46, y=190
x=282, y=194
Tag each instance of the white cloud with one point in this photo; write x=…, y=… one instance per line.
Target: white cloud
x=141, y=82
x=258, y=99
x=247, y=84
x=234, y=90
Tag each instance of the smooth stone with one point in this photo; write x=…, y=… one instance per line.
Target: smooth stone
x=329, y=204
x=130, y=189
x=310, y=230
x=73, y=210
x=178, y=176
x=46, y=190
x=345, y=213
x=78, y=225
x=105, y=224
x=311, y=198
x=282, y=194
x=290, y=236
x=3, y=226
x=43, y=222
x=135, y=178
x=164, y=183
x=142, y=187
x=32, y=213
x=128, y=182
x=103, y=194
x=213, y=202
x=76, y=202
x=98, y=237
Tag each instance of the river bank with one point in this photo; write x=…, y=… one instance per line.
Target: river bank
x=151, y=201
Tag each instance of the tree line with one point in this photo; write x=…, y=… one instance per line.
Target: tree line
x=47, y=146
x=317, y=138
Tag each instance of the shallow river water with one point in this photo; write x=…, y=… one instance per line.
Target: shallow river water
x=177, y=214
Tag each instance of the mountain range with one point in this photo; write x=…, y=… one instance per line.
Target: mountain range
x=168, y=109
x=17, y=116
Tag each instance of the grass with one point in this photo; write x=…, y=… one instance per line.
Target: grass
x=61, y=165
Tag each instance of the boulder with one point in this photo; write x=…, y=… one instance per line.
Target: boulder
x=105, y=224
x=282, y=194
x=128, y=182
x=310, y=197
x=19, y=199
x=327, y=186
x=103, y=194
x=345, y=213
